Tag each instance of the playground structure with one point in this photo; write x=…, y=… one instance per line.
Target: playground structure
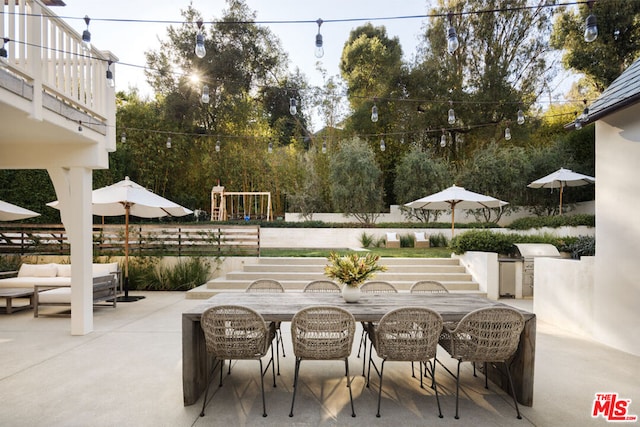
x=233, y=205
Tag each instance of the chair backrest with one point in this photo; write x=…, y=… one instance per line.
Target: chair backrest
x=378, y=287
x=322, y=333
x=488, y=334
x=408, y=334
x=428, y=287
x=235, y=332
x=322, y=286
x=265, y=285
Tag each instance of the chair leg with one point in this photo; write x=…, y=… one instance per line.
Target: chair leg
x=273, y=367
x=458, y=389
x=295, y=384
x=209, y=380
x=346, y=362
x=264, y=403
x=486, y=378
x=434, y=385
x=278, y=349
x=380, y=389
x=513, y=391
x=364, y=331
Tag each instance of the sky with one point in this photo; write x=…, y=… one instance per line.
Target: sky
x=129, y=41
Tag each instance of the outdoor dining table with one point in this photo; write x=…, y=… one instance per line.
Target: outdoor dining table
x=196, y=364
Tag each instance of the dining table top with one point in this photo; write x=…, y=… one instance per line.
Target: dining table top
x=370, y=307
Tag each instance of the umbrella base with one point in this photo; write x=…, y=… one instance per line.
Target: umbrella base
x=129, y=298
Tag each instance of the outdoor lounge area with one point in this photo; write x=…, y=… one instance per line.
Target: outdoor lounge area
x=128, y=372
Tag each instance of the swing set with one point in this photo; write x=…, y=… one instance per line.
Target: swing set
x=240, y=205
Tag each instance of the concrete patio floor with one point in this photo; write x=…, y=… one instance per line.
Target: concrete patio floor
x=128, y=372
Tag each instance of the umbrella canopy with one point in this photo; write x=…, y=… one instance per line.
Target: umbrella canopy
x=10, y=212
x=456, y=197
x=562, y=178
x=128, y=198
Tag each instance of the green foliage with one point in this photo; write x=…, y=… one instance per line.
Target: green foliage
x=356, y=181
x=580, y=246
x=352, y=269
x=502, y=243
x=366, y=240
x=141, y=271
x=10, y=262
x=187, y=273
x=438, y=241
x=407, y=240
x=553, y=221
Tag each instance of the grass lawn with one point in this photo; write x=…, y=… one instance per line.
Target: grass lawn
x=383, y=252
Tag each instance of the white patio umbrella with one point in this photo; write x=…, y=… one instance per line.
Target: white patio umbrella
x=11, y=212
x=560, y=179
x=128, y=198
x=456, y=197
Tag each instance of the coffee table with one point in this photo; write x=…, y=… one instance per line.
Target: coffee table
x=10, y=293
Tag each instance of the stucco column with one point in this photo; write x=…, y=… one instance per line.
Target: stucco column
x=73, y=188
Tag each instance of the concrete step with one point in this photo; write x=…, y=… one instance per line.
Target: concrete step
x=317, y=275
x=385, y=261
x=392, y=268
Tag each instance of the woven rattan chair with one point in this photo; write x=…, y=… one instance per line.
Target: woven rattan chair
x=269, y=286
x=322, y=286
x=238, y=333
x=372, y=287
x=408, y=334
x=486, y=335
x=322, y=333
x=428, y=287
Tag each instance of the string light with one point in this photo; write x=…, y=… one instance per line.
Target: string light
x=293, y=108
x=270, y=147
x=86, y=35
x=319, y=51
x=443, y=139
x=585, y=113
x=205, y=94
x=374, y=112
x=451, y=116
x=3, y=51
x=590, y=25
x=383, y=146
x=324, y=145
x=169, y=142
x=200, y=49
x=452, y=37
x=110, y=82
x=123, y=137
x=577, y=122
x=520, y=116
x=218, y=145
x=79, y=125
x=507, y=133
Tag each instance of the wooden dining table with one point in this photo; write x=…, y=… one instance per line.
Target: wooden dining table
x=196, y=364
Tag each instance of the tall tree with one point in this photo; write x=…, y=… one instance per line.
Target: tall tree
x=615, y=48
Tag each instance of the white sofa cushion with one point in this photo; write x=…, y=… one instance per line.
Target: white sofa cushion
x=59, y=295
x=104, y=269
x=392, y=237
x=38, y=270
x=64, y=270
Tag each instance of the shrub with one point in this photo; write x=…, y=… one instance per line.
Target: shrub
x=366, y=240
x=553, y=221
x=581, y=246
x=407, y=240
x=184, y=275
x=438, y=241
x=503, y=243
x=10, y=262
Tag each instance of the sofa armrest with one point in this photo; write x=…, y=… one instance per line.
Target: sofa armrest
x=5, y=274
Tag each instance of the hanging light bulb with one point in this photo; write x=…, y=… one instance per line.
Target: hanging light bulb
x=451, y=116
x=584, y=117
x=3, y=51
x=402, y=140
x=443, y=139
x=319, y=52
x=169, y=142
x=86, y=35
x=591, y=25
x=205, y=94
x=293, y=107
x=123, y=137
x=374, y=113
x=200, y=50
x=79, y=125
x=324, y=146
x=452, y=37
x=520, y=116
x=270, y=147
x=110, y=82
x=383, y=146
x=507, y=133
x=218, y=145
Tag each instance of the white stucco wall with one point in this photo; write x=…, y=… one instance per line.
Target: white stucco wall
x=483, y=266
x=617, y=281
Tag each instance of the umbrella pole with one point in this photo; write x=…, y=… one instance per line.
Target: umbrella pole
x=453, y=218
x=126, y=297
x=561, y=188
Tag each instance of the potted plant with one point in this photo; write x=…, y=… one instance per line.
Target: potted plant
x=351, y=271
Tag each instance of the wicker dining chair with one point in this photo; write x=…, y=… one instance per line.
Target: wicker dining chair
x=237, y=333
x=322, y=333
x=269, y=286
x=372, y=287
x=408, y=334
x=486, y=335
x=322, y=286
x=428, y=287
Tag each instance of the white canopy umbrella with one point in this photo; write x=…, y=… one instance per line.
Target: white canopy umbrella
x=128, y=198
x=456, y=197
x=560, y=179
x=11, y=212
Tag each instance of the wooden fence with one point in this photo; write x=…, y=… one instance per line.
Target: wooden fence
x=144, y=239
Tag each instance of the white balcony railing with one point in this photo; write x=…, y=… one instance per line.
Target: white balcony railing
x=48, y=54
